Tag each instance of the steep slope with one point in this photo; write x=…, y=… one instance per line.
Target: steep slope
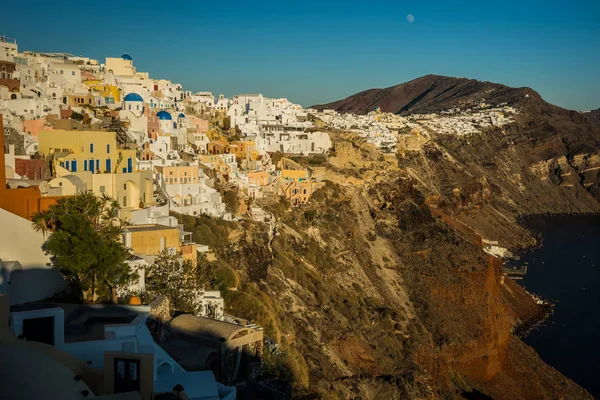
x=431, y=93
x=380, y=289
x=371, y=296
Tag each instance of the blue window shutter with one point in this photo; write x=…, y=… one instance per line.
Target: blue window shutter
x=74, y=166
x=129, y=165
x=108, y=165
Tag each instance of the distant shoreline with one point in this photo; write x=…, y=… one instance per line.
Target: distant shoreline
x=525, y=328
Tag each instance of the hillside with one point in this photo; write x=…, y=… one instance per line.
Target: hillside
x=431, y=93
x=380, y=288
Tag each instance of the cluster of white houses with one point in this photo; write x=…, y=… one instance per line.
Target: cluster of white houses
x=56, y=105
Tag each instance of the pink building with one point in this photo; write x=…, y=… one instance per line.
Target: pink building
x=33, y=126
x=199, y=124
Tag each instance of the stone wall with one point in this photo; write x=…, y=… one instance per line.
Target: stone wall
x=158, y=321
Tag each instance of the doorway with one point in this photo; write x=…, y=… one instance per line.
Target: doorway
x=39, y=330
x=126, y=375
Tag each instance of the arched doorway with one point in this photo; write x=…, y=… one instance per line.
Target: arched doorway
x=130, y=196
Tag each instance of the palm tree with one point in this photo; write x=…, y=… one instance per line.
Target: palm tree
x=85, y=242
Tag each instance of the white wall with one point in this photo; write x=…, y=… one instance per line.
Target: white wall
x=20, y=242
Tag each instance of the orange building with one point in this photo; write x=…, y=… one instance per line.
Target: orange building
x=242, y=149
x=259, y=178
x=298, y=192
x=217, y=147
x=33, y=126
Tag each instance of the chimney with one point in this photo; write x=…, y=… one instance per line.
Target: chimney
x=2, y=163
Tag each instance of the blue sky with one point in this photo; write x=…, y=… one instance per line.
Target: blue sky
x=320, y=51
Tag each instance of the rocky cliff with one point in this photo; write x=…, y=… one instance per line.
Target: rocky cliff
x=380, y=289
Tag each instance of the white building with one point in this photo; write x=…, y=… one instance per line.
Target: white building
x=103, y=350
x=8, y=48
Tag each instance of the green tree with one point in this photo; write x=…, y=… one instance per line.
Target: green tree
x=85, y=243
x=176, y=279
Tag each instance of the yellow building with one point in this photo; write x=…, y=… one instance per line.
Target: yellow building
x=122, y=66
x=208, y=158
x=111, y=93
x=81, y=99
x=94, y=151
x=178, y=174
x=293, y=175
x=215, y=162
x=241, y=149
x=151, y=239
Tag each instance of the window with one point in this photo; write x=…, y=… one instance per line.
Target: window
x=108, y=148
x=85, y=165
x=91, y=147
x=73, y=166
x=124, y=186
x=102, y=189
x=73, y=73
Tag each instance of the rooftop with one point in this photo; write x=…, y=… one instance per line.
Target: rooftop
x=148, y=227
x=205, y=327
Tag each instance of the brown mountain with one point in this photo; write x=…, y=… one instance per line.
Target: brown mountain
x=594, y=118
x=431, y=93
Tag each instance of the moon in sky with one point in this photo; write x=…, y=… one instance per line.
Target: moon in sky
x=410, y=18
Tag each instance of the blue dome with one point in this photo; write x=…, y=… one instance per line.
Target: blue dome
x=163, y=115
x=181, y=115
x=133, y=97
x=126, y=57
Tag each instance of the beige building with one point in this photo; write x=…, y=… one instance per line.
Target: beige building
x=131, y=190
x=149, y=240
x=179, y=174
x=122, y=66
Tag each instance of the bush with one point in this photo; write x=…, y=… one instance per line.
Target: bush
x=232, y=202
x=226, y=275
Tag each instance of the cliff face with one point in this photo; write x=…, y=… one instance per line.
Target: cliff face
x=379, y=289
x=370, y=295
